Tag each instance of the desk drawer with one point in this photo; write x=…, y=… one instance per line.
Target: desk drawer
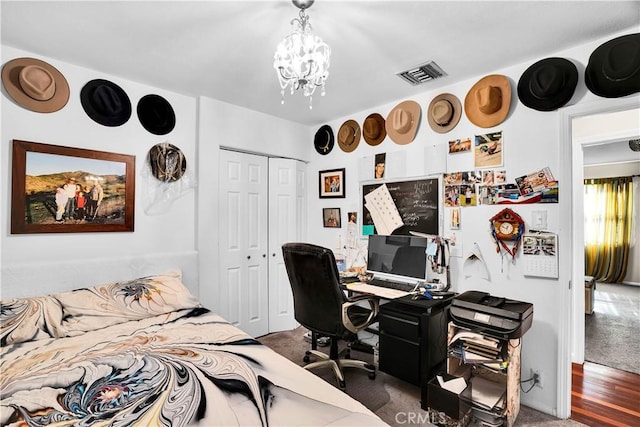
x=400, y=358
x=400, y=325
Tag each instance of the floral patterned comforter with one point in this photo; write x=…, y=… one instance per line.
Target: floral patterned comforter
x=146, y=353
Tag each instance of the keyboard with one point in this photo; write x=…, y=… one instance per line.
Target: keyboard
x=376, y=290
x=389, y=284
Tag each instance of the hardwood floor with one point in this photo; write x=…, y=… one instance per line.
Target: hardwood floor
x=603, y=396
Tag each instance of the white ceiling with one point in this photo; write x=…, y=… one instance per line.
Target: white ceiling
x=224, y=49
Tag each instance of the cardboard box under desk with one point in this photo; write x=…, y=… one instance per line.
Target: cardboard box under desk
x=454, y=405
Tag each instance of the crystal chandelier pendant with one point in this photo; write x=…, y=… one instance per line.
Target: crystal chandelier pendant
x=301, y=59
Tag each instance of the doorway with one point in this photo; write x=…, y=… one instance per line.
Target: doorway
x=572, y=332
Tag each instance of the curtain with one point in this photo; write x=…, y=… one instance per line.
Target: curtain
x=607, y=229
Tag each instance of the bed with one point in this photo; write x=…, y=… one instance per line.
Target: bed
x=146, y=352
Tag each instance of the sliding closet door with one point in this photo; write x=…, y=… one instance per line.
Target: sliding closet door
x=287, y=223
x=243, y=241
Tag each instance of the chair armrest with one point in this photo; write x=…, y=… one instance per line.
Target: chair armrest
x=374, y=306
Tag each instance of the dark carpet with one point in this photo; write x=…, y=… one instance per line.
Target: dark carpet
x=393, y=400
x=611, y=332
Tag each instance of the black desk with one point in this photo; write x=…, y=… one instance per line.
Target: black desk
x=413, y=339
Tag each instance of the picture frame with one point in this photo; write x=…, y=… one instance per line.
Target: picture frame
x=331, y=218
x=332, y=183
x=58, y=189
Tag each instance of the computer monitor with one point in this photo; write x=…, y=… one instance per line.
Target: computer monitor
x=402, y=258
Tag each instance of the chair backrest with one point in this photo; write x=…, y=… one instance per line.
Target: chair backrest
x=315, y=283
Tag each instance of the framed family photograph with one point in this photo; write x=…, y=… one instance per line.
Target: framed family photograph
x=332, y=183
x=331, y=217
x=57, y=189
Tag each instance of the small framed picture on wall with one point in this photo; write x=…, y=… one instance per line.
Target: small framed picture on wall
x=332, y=183
x=331, y=217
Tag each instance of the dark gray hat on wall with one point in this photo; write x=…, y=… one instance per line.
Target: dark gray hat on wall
x=548, y=84
x=156, y=114
x=323, y=141
x=613, y=70
x=105, y=102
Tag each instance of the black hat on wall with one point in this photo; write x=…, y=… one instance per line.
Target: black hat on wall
x=156, y=114
x=324, y=140
x=613, y=70
x=548, y=84
x=105, y=102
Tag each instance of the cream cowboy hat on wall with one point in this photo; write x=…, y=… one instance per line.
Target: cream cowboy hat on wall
x=35, y=85
x=487, y=102
x=444, y=112
x=402, y=122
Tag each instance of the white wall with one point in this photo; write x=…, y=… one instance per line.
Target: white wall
x=173, y=232
x=531, y=142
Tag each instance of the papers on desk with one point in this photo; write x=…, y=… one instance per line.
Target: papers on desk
x=383, y=210
x=473, y=347
x=485, y=393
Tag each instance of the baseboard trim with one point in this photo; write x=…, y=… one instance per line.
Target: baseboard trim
x=631, y=283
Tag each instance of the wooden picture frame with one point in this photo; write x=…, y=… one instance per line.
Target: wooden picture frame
x=332, y=183
x=45, y=176
x=331, y=218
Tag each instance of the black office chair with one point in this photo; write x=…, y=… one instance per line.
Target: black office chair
x=321, y=306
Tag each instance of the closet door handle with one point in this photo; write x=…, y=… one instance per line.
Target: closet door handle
x=248, y=256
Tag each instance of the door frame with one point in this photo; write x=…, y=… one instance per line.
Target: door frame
x=571, y=331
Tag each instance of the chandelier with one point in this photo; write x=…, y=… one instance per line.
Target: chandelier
x=302, y=58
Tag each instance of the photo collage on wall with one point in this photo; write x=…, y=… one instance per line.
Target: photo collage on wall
x=487, y=183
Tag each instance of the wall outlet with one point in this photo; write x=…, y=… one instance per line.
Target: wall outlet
x=537, y=375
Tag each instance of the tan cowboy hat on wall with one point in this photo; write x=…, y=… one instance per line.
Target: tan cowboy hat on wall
x=444, y=112
x=349, y=136
x=35, y=85
x=402, y=122
x=487, y=102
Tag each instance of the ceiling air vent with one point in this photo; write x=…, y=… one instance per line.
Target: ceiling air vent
x=422, y=73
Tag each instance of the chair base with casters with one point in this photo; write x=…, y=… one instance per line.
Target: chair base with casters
x=337, y=360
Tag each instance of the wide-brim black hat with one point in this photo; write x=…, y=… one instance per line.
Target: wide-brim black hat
x=156, y=114
x=613, y=69
x=548, y=84
x=324, y=140
x=105, y=102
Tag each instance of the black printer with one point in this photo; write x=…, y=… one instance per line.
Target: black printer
x=493, y=316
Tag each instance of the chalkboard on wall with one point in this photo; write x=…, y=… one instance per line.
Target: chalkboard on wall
x=417, y=200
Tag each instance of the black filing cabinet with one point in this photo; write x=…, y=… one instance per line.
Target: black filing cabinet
x=413, y=338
